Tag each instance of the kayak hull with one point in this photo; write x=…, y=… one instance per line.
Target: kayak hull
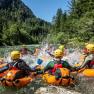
x=88, y=72
x=50, y=79
x=21, y=82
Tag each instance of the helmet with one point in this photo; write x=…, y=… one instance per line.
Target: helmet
x=61, y=47
x=24, y=46
x=90, y=47
x=58, y=53
x=39, y=61
x=15, y=55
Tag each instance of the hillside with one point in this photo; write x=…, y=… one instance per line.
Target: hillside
x=76, y=26
x=18, y=24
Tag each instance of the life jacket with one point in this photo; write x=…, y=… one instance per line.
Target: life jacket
x=92, y=62
x=56, y=66
x=64, y=72
x=13, y=67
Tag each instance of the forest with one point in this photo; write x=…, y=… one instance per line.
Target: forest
x=18, y=24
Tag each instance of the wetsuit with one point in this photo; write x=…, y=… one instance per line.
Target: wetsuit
x=49, y=53
x=88, y=61
x=52, y=67
x=20, y=65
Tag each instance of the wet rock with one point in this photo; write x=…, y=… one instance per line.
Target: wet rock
x=54, y=90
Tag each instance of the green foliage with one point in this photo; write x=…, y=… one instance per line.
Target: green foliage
x=75, y=27
x=18, y=24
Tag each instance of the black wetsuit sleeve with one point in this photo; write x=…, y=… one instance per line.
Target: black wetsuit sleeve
x=24, y=66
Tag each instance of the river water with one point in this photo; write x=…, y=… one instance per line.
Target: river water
x=83, y=85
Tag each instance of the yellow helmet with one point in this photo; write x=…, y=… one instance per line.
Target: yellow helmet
x=15, y=55
x=58, y=53
x=90, y=47
x=61, y=47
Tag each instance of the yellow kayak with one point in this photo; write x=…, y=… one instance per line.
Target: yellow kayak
x=50, y=79
x=88, y=72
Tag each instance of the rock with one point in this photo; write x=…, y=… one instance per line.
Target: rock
x=54, y=90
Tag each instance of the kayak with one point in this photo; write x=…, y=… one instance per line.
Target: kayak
x=2, y=74
x=88, y=72
x=64, y=81
x=84, y=72
x=8, y=80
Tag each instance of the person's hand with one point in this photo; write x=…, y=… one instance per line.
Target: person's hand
x=78, y=68
x=75, y=68
x=34, y=74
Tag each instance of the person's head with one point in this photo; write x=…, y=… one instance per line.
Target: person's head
x=61, y=47
x=24, y=51
x=58, y=53
x=1, y=60
x=89, y=48
x=15, y=55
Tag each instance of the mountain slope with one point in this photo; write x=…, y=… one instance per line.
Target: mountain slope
x=19, y=25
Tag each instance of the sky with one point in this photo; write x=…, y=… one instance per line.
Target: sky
x=46, y=9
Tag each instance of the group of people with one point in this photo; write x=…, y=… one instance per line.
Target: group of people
x=53, y=67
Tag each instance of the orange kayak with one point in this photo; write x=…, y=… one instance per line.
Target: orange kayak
x=8, y=80
x=2, y=74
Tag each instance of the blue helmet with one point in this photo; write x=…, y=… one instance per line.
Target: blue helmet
x=39, y=61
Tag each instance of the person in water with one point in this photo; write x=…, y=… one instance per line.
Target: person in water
x=88, y=61
x=1, y=60
x=17, y=64
x=54, y=66
x=25, y=51
x=61, y=47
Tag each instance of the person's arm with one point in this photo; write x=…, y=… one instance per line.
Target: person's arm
x=65, y=64
x=4, y=68
x=87, y=59
x=49, y=53
x=49, y=66
x=24, y=66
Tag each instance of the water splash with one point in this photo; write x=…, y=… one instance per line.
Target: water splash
x=73, y=57
x=85, y=85
x=43, y=54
